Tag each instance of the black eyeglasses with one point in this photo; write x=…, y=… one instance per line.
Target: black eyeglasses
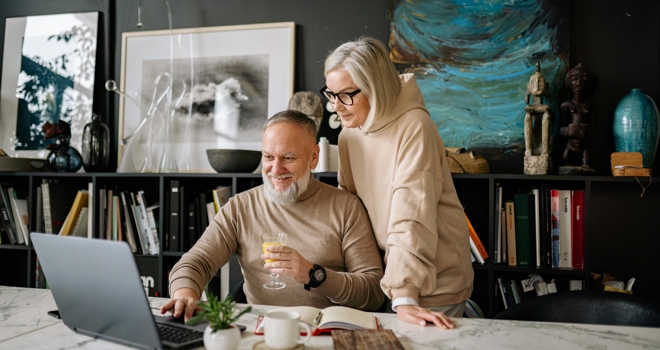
x=345, y=97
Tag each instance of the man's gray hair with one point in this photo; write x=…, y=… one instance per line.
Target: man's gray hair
x=297, y=118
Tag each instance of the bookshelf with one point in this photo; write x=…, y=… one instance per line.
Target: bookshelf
x=621, y=235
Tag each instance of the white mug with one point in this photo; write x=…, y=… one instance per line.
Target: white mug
x=282, y=330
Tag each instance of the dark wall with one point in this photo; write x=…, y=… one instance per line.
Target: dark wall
x=618, y=40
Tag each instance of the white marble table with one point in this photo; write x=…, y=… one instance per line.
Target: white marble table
x=24, y=324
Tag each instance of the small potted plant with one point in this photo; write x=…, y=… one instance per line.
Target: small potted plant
x=220, y=334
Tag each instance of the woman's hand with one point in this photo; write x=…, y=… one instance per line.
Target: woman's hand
x=419, y=316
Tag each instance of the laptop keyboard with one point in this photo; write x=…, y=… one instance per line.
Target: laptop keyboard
x=178, y=335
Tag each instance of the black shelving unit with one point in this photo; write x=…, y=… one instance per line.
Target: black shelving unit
x=621, y=235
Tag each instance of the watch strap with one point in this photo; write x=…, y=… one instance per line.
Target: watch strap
x=313, y=282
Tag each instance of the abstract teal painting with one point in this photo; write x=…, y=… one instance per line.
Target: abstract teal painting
x=473, y=60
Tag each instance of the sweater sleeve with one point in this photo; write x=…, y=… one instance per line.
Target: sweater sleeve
x=213, y=249
x=412, y=237
x=358, y=287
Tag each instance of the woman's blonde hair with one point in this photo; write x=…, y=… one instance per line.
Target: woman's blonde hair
x=369, y=65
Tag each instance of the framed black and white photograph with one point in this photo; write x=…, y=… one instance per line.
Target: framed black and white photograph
x=48, y=67
x=226, y=82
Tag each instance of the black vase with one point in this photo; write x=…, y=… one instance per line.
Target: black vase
x=64, y=158
x=95, y=145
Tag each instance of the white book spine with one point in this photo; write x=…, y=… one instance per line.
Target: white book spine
x=48, y=220
x=153, y=241
x=224, y=281
x=475, y=251
x=565, y=239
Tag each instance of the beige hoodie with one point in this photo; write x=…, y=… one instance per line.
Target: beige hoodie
x=397, y=166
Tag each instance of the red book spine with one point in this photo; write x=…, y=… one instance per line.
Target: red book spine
x=577, y=201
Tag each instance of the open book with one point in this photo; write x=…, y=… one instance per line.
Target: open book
x=325, y=320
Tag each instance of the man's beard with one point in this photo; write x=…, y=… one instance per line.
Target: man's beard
x=290, y=194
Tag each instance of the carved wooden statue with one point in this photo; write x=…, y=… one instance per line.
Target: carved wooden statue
x=580, y=116
x=538, y=141
x=309, y=103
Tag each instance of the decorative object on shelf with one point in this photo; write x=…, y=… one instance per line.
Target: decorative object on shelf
x=139, y=146
x=628, y=164
x=324, y=156
x=167, y=160
x=62, y=157
x=464, y=162
x=95, y=145
x=257, y=58
x=538, y=140
x=233, y=160
x=309, y=103
x=220, y=334
x=9, y=164
x=48, y=71
x=636, y=123
x=580, y=115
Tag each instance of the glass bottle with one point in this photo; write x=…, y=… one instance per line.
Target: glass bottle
x=64, y=158
x=95, y=145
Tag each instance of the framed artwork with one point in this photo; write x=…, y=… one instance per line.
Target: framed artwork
x=47, y=75
x=226, y=82
x=473, y=61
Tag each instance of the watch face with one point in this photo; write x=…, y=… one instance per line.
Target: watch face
x=319, y=275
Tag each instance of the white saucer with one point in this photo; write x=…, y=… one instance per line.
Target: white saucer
x=261, y=345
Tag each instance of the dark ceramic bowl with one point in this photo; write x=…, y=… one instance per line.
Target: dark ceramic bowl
x=233, y=160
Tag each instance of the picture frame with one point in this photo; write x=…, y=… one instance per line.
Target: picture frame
x=227, y=81
x=48, y=72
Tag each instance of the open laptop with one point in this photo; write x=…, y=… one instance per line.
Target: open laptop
x=98, y=291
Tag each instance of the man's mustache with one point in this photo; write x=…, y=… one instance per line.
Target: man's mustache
x=279, y=177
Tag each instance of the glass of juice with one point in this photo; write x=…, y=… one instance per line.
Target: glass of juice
x=267, y=240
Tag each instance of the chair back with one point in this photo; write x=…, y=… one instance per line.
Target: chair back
x=591, y=307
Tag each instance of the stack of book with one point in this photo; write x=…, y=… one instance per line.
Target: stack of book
x=126, y=216
x=477, y=249
x=542, y=228
x=13, y=216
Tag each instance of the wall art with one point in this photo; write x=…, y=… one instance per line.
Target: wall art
x=47, y=75
x=226, y=82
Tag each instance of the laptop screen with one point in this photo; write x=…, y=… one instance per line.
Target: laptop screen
x=97, y=288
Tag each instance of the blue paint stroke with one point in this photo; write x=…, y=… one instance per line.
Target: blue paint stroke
x=473, y=60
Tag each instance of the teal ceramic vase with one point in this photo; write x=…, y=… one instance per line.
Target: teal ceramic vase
x=636, y=122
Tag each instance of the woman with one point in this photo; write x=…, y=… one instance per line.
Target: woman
x=392, y=157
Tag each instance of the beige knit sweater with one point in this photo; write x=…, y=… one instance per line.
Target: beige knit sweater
x=326, y=226
x=397, y=166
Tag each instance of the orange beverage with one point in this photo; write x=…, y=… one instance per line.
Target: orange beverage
x=264, y=247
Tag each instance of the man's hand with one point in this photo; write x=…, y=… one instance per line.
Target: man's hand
x=183, y=301
x=419, y=316
x=289, y=263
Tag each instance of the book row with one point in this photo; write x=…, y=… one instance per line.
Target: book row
x=13, y=216
x=127, y=216
x=190, y=214
x=542, y=228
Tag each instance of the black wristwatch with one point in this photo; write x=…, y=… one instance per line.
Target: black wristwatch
x=317, y=276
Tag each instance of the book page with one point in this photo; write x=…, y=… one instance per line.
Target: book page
x=307, y=313
x=346, y=317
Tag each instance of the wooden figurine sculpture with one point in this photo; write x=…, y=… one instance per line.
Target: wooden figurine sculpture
x=581, y=115
x=309, y=103
x=538, y=142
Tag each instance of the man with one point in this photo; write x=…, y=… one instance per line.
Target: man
x=331, y=256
